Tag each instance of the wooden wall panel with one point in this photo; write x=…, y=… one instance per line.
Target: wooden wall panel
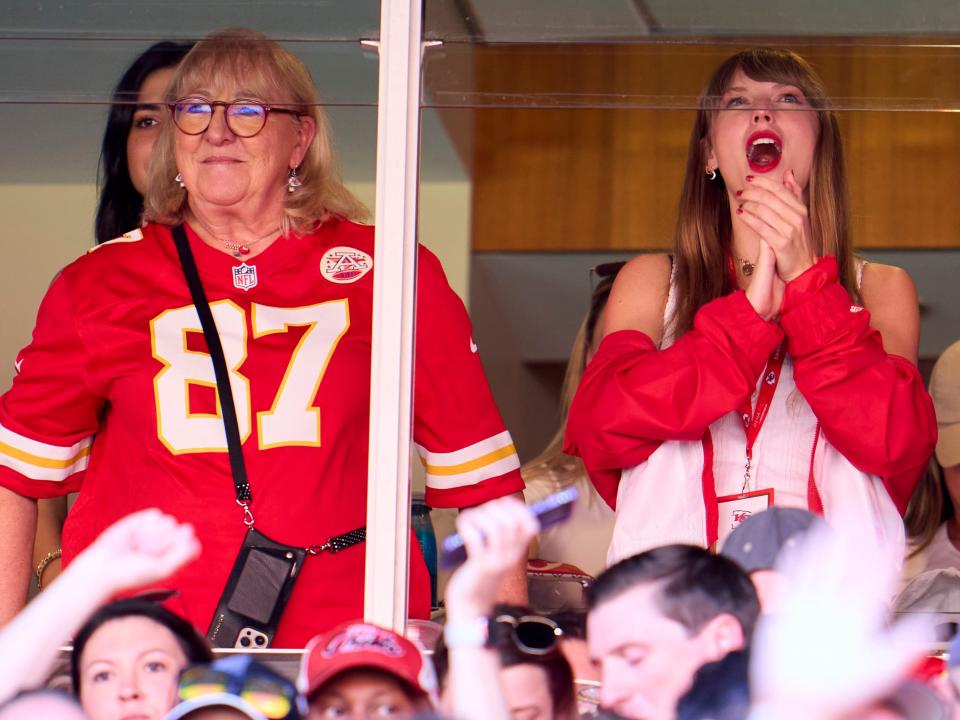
x=571, y=177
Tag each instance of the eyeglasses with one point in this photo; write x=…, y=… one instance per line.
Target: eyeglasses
x=245, y=118
x=270, y=697
x=532, y=634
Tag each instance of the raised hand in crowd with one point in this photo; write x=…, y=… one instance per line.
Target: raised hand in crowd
x=142, y=548
x=828, y=652
x=496, y=536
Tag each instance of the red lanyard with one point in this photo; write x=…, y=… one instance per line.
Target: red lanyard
x=752, y=422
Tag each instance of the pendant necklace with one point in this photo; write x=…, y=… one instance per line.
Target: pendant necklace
x=239, y=250
x=746, y=267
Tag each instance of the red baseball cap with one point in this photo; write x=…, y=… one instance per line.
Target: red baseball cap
x=357, y=644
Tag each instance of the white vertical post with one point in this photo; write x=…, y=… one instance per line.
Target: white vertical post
x=395, y=256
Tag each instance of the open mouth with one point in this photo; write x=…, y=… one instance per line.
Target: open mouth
x=763, y=151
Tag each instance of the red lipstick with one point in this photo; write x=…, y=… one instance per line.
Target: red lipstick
x=764, y=150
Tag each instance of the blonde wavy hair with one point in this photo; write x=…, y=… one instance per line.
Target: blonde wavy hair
x=245, y=58
x=703, y=233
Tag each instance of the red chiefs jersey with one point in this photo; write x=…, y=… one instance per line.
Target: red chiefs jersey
x=116, y=397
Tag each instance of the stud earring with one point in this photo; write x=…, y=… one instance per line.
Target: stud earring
x=179, y=180
x=711, y=174
x=293, y=182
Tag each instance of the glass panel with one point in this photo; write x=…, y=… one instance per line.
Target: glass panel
x=553, y=21
x=61, y=62
x=572, y=123
x=108, y=20
x=82, y=71
x=868, y=74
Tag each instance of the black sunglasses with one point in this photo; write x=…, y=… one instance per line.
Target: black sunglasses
x=532, y=634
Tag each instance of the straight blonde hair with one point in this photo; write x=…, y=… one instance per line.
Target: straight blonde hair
x=245, y=58
x=704, y=233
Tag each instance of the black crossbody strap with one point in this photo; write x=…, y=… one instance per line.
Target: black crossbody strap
x=224, y=391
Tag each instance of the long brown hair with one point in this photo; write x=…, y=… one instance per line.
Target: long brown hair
x=929, y=508
x=704, y=233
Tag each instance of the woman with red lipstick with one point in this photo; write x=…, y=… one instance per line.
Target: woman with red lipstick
x=117, y=395
x=761, y=363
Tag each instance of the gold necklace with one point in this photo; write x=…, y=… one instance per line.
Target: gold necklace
x=746, y=267
x=241, y=249
x=236, y=249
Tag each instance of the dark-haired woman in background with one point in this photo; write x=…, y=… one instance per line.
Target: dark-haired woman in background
x=133, y=125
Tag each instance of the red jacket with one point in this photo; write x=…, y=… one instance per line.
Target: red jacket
x=872, y=406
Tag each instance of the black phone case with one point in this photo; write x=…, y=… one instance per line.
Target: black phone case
x=253, y=585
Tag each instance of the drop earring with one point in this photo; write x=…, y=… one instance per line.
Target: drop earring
x=711, y=174
x=293, y=182
x=179, y=180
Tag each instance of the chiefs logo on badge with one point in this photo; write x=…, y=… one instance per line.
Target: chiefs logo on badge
x=345, y=264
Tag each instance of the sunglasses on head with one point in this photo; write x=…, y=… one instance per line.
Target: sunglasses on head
x=605, y=271
x=269, y=696
x=532, y=634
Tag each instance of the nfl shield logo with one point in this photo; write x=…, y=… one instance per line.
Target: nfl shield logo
x=244, y=276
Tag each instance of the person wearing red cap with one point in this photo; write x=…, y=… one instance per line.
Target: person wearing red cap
x=358, y=670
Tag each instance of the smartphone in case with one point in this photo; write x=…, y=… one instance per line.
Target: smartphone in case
x=256, y=593
x=552, y=510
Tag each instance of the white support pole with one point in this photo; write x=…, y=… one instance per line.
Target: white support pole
x=395, y=257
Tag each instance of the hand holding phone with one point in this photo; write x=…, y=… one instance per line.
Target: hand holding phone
x=550, y=511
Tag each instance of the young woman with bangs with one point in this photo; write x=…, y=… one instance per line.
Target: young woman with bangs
x=762, y=362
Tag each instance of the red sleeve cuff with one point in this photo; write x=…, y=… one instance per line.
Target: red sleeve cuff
x=821, y=311
x=753, y=337
x=40, y=489
x=470, y=495
x=809, y=282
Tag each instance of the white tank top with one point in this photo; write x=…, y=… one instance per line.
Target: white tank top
x=665, y=498
x=782, y=451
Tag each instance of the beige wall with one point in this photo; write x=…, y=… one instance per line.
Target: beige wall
x=45, y=227
x=444, y=225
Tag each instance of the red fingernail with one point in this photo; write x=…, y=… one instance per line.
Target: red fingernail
x=739, y=193
x=740, y=210
x=749, y=178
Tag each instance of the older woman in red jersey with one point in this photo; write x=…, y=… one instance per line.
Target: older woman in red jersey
x=117, y=395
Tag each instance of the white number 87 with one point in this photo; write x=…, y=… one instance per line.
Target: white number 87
x=292, y=419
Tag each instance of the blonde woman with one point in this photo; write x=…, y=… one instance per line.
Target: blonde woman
x=117, y=398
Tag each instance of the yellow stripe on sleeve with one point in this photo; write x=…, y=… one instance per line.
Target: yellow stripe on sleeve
x=479, y=462
x=40, y=461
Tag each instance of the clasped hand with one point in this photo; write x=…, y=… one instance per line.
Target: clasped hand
x=779, y=215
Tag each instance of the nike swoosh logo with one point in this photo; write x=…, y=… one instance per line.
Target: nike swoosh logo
x=473, y=346
x=18, y=363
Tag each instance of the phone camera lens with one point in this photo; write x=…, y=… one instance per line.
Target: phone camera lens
x=260, y=640
x=245, y=641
